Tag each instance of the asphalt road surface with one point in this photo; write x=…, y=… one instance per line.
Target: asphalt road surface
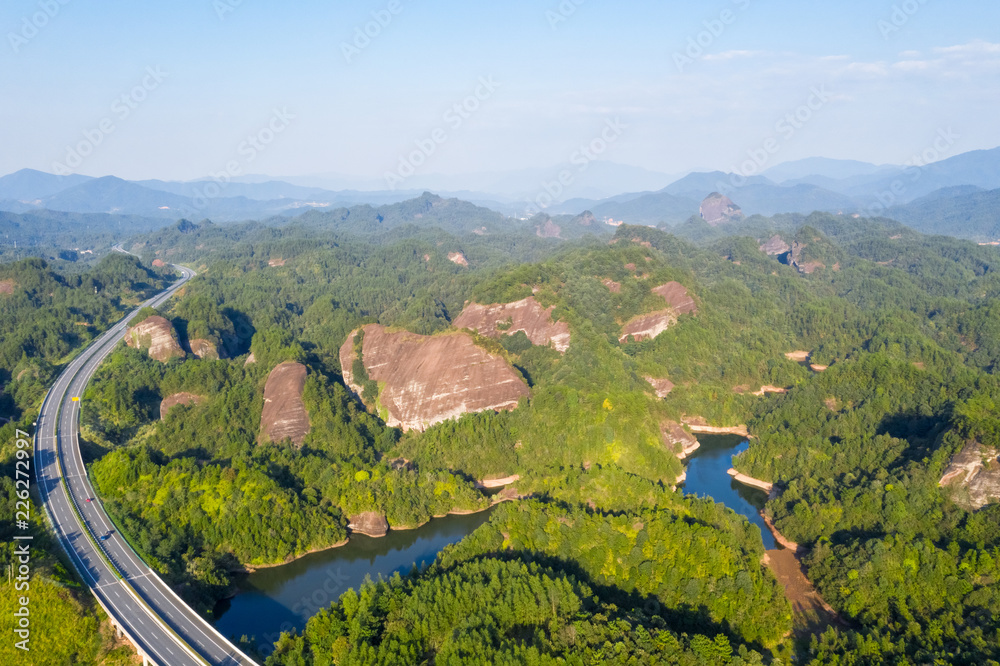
x=167, y=630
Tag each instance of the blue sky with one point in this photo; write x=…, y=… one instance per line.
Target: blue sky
x=888, y=83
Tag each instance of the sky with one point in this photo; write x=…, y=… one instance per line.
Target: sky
x=194, y=88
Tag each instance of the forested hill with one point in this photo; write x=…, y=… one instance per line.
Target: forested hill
x=45, y=315
x=904, y=320
x=462, y=226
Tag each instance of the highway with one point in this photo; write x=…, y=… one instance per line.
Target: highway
x=165, y=630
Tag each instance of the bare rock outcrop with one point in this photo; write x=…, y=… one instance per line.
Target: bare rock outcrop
x=159, y=263
x=458, y=258
x=172, y=401
x=156, y=335
x=425, y=380
x=206, y=349
x=680, y=441
x=677, y=297
x=369, y=523
x=7, y=287
x=663, y=387
x=525, y=315
x=647, y=327
x=775, y=246
x=975, y=474
x=284, y=415
x=547, y=228
x=719, y=209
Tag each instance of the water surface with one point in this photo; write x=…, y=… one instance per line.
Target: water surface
x=283, y=598
x=707, y=476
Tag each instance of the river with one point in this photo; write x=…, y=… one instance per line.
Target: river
x=707, y=476
x=283, y=598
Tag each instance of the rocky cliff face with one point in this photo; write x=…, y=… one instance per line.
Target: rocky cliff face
x=546, y=228
x=178, y=399
x=719, y=209
x=974, y=473
x=663, y=387
x=156, y=335
x=526, y=315
x=425, y=380
x=206, y=349
x=284, y=414
x=679, y=440
x=677, y=297
x=648, y=326
x=370, y=523
x=775, y=246
x=458, y=258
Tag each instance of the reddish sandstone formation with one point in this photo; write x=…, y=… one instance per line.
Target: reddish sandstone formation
x=775, y=246
x=369, y=523
x=458, y=258
x=284, y=415
x=799, y=356
x=647, y=327
x=679, y=440
x=250, y=360
x=548, y=229
x=975, y=473
x=276, y=263
x=156, y=335
x=585, y=219
x=159, y=263
x=178, y=399
x=663, y=387
x=526, y=315
x=426, y=380
x=206, y=349
x=677, y=297
x=719, y=209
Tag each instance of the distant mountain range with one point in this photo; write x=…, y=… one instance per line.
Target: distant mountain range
x=950, y=196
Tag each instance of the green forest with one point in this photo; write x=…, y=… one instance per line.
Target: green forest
x=601, y=560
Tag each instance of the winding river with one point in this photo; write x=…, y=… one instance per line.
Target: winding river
x=283, y=598
x=707, y=476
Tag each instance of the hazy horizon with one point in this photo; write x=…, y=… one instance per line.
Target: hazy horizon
x=447, y=88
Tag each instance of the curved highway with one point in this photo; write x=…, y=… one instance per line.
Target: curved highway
x=165, y=630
